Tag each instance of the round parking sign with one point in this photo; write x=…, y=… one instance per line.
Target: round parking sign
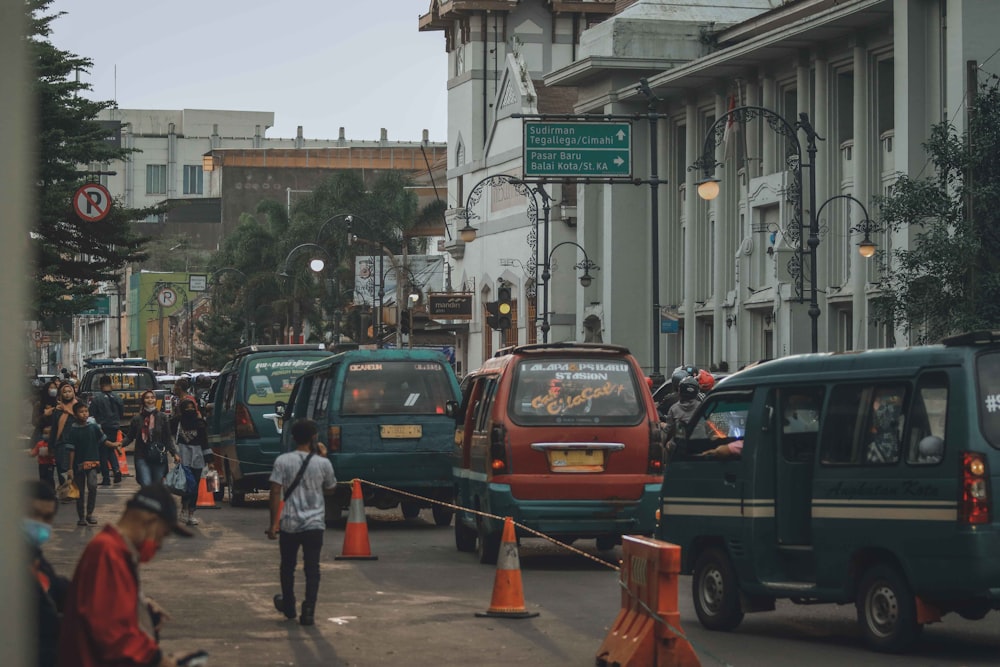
x=167, y=298
x=92, y=202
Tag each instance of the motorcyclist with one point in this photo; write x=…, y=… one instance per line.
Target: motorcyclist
x=683, y=410
x=679, y=374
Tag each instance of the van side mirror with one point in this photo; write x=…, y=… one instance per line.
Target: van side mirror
x=451, y=408
x=280, y=407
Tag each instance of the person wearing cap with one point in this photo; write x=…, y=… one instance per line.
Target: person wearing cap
x=107, y=620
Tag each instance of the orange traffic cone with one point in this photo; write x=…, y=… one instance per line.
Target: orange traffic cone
x=206, y=498
x=122, y=460
x=508, y=594
x=356, y=546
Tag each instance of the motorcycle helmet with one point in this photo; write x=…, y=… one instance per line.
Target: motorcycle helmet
x=705, y=380
x=682, y=372
x=689, y=388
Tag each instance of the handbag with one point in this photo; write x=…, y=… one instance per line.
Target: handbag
x=192, y=486
x=156, y=454
x=67, y=491
x=176, y=481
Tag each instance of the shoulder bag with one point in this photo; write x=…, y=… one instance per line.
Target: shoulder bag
x=298, y=477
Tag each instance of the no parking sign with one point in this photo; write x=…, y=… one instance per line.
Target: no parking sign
x=92, y=202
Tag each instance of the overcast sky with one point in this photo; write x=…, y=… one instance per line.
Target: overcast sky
x=322, y=64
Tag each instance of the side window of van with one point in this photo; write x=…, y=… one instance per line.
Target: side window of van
x=799, y=412
x=925, y=426
x=485, y=404
x=319, y=396
x=718, y=431
x=864, y=424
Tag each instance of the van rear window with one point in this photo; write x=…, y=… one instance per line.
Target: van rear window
x=396, y=388
x=271, y=379
x=988, y=378
x=575, y=391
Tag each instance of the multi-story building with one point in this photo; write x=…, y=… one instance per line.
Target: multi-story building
x=736, y=273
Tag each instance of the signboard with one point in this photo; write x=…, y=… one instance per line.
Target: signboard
x=36, y=335
x=577, y=149
x=669, y=321
x=167, y=297
x=92, y=202
x=102, y=306
x=450, y=305
x=197, y=283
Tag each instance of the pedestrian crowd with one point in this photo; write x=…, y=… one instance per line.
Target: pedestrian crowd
x=101, y=616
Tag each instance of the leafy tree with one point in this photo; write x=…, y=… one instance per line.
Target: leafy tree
x=71, y=255
x=948, y=279
x=220, y=335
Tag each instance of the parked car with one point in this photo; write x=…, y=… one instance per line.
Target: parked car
x=244, y=425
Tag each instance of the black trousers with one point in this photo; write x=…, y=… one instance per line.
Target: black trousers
x=311, y=542
x=109, y=457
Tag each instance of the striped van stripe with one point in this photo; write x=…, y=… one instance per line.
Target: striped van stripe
x=899, y=510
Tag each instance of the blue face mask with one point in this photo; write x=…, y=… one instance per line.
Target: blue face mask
x=36, y=532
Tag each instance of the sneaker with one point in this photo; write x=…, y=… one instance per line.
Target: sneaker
x=81, y=522
x=92, y=520
x=118, y=478
x=192, y=521
x=279, y=604
x=308, y=614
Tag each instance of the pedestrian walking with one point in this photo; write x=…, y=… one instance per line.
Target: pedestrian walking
x=302, y=475
x=182, y=391
x=84, y=440
x=150, y=431
x=107, y=619
x=49, y=588
x=62, y=417
x=45, y=457
x=107, y=409
x=192, y=445
x=44, y=406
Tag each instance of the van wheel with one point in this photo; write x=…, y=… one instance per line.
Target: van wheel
x=716, y=591
x=236, y=499
x=410, y=510
x=442, y=515
x=465, y=537
x=887, y=610
x=487, y=544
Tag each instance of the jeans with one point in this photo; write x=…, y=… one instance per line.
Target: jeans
x=109, y=457
x=311, y=542
x=190, y=501
x=86, y=481
x=147, y=473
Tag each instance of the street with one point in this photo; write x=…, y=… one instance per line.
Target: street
x=416, y=604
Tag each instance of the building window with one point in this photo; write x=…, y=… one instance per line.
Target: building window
x=194, y=179
x=156, y=179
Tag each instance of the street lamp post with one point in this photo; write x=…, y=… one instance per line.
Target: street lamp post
x=708, y=189
x=866, y=247
x=587, y=265
x=316, y=264
x=468, y=233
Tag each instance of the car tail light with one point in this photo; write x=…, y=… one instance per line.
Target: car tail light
x=498, y=450
x=333, y=439
x=975, y=507
x=244, y=423
x=654, y=460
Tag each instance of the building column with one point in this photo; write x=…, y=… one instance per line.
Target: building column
x=692, y=150
x=717, y=211
x=862, y=191
x=824, y=159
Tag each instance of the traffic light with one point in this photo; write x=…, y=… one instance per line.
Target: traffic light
x=504, y=308
x=493, y=318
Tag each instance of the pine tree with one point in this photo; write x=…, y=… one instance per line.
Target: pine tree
x=71, y=255
x=948, y=280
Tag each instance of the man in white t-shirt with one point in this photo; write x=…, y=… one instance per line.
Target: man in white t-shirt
x=302, y=521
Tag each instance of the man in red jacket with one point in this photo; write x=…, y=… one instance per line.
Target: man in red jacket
x=106, y=619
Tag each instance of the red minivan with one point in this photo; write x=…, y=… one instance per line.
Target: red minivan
x=562, y=437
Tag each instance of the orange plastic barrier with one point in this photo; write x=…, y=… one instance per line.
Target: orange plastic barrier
x=508, y=593
x=122, y=460
x=356, y=546
x=649, y=577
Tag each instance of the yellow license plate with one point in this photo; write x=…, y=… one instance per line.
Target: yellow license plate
x=401, y=430
x=576, y=460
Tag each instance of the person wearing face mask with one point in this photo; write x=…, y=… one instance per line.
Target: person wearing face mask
x=107, y=619
x=45, y=406
x=154, y=441
x=50, y=588
x=192, y=443
x=63, y=417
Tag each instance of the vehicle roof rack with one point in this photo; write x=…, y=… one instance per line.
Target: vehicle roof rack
x=117, y=361
x=981, y=337
x=540, y=347
x=291, y=347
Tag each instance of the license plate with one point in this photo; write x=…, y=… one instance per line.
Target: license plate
x=576, y=460
x=401, y=430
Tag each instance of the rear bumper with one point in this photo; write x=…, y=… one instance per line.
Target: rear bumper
x=577, y=518
x=407, y=471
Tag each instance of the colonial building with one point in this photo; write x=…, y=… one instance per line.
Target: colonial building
x=770, y=266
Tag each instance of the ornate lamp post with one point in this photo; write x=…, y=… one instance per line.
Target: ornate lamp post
x=866, y=247
x=708, y=189
x=587, y=265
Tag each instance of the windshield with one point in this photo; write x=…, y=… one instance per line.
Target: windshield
x=575, y=391
x=271, y=379
x=397, y=387
x=988, y=376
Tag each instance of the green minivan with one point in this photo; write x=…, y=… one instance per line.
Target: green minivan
x=866, y=478
x=381, y=414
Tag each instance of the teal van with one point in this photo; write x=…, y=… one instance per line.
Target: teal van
x=243, y=415
x=865, y=478
x=381, y=414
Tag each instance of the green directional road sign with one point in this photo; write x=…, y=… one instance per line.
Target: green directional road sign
x=577, y=149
